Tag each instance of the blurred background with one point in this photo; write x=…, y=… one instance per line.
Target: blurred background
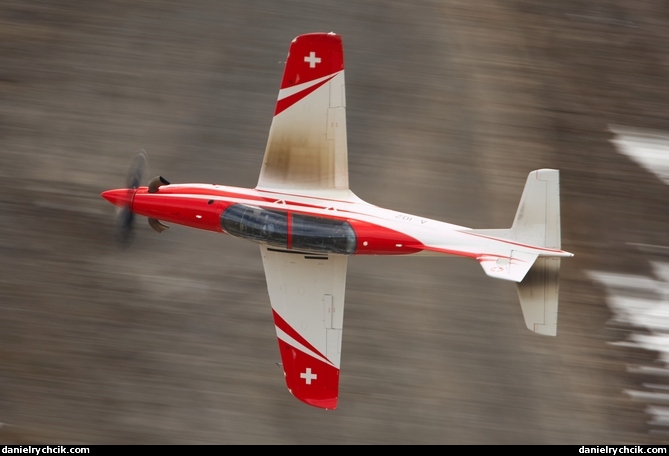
x=450, y=104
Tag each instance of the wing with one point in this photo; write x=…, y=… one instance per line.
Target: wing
x=306, y=151
x=307, y=296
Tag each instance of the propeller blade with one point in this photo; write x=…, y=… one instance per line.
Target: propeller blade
x=124, y=224
x=136, y=170
x=125, y=219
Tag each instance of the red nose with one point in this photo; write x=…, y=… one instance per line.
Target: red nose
x=121, y=197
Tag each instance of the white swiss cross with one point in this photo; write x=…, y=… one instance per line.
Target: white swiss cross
x=308, y=376
x=312, y=59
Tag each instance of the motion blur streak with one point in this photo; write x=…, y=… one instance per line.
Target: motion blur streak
x=640, y=303
x=649, y=149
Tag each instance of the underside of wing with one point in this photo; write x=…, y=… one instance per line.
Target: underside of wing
x=307, y=296
x=306, y=150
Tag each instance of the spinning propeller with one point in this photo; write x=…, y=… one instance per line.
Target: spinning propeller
x=125, y=218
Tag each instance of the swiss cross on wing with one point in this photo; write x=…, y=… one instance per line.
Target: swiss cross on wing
x=312, y=60
x=308, y=376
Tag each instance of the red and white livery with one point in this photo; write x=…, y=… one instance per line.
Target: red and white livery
x=308, y=223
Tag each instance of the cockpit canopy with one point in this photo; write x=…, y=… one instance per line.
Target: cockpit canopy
x=288, y=230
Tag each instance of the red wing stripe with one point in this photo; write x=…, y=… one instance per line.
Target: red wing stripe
x=285, y=103
x=285, y=327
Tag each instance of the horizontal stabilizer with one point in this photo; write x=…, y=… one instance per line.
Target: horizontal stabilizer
x=538, y=294
x=537, y=221
x=535, y=264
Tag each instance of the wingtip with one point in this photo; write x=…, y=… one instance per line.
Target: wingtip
x=329, y=403
x=323, y=402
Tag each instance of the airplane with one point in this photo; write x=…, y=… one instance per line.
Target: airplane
x=308, y=223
